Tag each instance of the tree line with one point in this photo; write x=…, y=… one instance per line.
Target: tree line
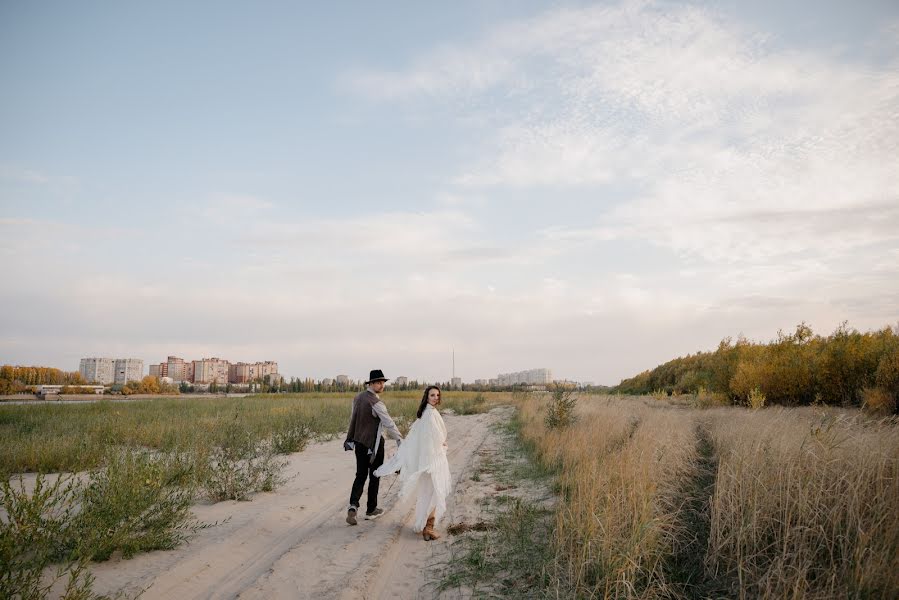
x=15, y=379
x=845, y=368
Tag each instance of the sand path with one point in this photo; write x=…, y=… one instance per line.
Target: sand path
x=294, y=542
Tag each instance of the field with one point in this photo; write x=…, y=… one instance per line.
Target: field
x=653, y=498
x=140, y=466
x=660, y=500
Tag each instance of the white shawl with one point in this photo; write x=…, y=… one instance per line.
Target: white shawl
x=423, y=454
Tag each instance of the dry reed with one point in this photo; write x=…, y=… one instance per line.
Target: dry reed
x=662, y=501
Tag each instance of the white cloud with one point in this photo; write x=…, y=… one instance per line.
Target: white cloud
x=736, y=151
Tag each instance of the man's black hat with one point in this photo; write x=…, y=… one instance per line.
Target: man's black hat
x=376, y=375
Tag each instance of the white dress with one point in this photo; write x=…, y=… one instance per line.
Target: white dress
x=421, y=460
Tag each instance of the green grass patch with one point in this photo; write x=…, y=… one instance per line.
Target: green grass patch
x=510, y=555
x=49, y=438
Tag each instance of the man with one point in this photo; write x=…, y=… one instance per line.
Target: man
x=368, y=421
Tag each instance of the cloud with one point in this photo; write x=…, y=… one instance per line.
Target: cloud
x=720, y=146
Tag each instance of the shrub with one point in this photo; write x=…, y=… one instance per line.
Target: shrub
x=707, y=399
x=878, y=401
x=31, y=533
x=137, y=503
x=756, y=399
x=470, y=406
x=887, y=374
x=560, y=411
x=241, y=465
x=293, y=438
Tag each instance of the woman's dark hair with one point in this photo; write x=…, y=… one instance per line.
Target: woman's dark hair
x=424, y=399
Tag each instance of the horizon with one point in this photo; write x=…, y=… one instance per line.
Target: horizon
x=594, y=188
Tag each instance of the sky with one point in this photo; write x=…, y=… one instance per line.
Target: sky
x=589, y=187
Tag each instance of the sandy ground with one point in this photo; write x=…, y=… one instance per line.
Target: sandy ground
x=294, y=542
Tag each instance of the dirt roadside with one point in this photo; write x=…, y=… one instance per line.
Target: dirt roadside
x=294, y=542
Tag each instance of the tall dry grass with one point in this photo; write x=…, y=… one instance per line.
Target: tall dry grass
x=663, y=501
x=806, y=505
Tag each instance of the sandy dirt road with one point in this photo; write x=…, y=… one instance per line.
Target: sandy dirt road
x=294, y=542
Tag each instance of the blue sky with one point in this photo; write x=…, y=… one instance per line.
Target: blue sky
x=590, y=187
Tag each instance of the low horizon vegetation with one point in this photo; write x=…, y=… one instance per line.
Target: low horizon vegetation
x=846, y=368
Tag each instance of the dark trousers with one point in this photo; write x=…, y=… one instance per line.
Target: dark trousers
x=364, y=469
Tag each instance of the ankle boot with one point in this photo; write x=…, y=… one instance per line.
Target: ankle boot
x=428, y=532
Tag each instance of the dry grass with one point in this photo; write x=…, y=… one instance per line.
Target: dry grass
x=665, y=501
x=806, y=505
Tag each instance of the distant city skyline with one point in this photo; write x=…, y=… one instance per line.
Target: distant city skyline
x=594, y=186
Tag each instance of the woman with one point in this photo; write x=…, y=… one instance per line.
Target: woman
x=421, y=461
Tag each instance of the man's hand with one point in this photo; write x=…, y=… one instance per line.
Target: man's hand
x=348, y=445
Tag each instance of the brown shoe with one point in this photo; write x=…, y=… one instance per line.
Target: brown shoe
x=428, y=532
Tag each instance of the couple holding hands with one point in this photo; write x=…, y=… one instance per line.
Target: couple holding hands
x=420, y=457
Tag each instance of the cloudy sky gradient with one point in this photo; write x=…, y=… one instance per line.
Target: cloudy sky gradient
x=590, y=187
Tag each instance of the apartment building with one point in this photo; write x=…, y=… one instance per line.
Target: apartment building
x=211, y=370
x=529, y=377
x=108, y=371
x=97, y=370
x=128, y=369
x=246, y=372
x=214, y=370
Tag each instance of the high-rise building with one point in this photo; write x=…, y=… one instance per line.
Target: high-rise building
x=97, y=370
x=128, y=369
x=246, y=372
x=210, y=370
x=530, y=377
x=109, y=371
x=177, y=368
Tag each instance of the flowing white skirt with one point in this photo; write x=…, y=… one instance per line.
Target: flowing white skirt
x=421, y=460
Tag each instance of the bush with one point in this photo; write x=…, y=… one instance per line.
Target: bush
x=706, y=399
x=128, y=506
x=887, y=374
x=470, y=406
x=136, y=504
x=293, y=437
x=560, y=411
x=31, y=535
x=241, y=465
x=756, y=399
x=878, y=401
